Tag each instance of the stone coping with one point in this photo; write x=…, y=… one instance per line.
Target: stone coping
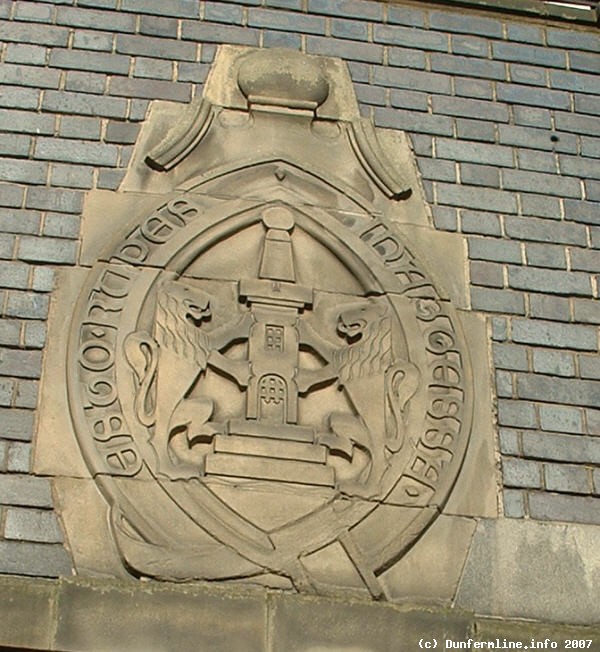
x=97, y=614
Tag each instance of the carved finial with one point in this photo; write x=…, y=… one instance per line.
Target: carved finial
x=277, y=259
x=279, y=77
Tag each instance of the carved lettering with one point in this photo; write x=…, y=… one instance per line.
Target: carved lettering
x=156, y=230
x=123, y=459
x=286, y=374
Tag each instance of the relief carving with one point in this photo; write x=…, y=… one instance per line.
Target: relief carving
x=262, y=377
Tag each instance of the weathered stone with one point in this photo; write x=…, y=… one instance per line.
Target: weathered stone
x=248, y=415
x=522, y=585
x=27, y=608
x=302, y=624
x=424, y=575
x=128, y=616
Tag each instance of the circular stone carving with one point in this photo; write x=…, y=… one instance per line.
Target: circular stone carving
x=267, y=392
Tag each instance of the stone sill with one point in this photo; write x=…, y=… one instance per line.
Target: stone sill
x=81, y=615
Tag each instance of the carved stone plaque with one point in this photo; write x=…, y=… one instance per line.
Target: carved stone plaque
x=264, y=381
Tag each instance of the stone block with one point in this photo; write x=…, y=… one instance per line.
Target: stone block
x=23, y=171
x=58, y=454
x=521, y=473
x=556, y=363
x=504, y=384
x=540, y=162
x=549, y=281
x=91, y=40
x=581, y=211
x=55, y=199
x=46, y=249
x=589, y=366
x=549, y=307
x=519, y=414
x=150, y=89
x=522, y=585
x=18, y=459
x=218, y=33
x=478, y=68
x=85, y=518
x=557, y=390
x=351, y=29
x=561, y=419
x=92, y=61
x=543, y=56
x=27, y=613
x=572, y=509
x=282, y=20
x=469, y=45
x=406, y=16
x=302, y=624
x=28, y=54
x=80, y=127
x=350, y=8
x=476, y=491
x=539, y=182
x=95, y=19
x=566, y=478
x=449, y=273
x=413, y=121
x=158, y=26
x=26, y=491
x=85, y=104
x=405, y=58
x=76, y=151
x=477, y=198
x=86, y=82
x=412, y=79
x=490, y=629
x=575, y=82
x=34, y=559
x=566, y=38
x=533, y=96
x=492, y=300
x=530, y=136
x=24, y=524
x=494, y=250
x=479, y=175
x=554, y=334
x=514, y=503
x=481, y=223
x=27, y=305
x=475, y=152
x=177, y=8
x=411, y=37
x=525, y=33
x=465, y=24
x=545, y=255
x=197, y=620
x=16, y=32
x=424, y=575
x=577, y=124
x=561, y=448
x=17, y=424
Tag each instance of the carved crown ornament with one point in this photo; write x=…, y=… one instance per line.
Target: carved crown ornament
x=264, y=381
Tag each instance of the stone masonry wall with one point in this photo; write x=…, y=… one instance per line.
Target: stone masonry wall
x=503, y=116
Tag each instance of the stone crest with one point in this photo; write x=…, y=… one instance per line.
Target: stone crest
x=264, y=381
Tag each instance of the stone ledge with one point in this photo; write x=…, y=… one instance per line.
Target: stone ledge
x=81, y=615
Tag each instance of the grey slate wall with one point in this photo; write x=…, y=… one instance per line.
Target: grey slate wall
x=503, y=116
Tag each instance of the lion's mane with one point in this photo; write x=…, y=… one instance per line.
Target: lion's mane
x=371, y=354
x=174, y=331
